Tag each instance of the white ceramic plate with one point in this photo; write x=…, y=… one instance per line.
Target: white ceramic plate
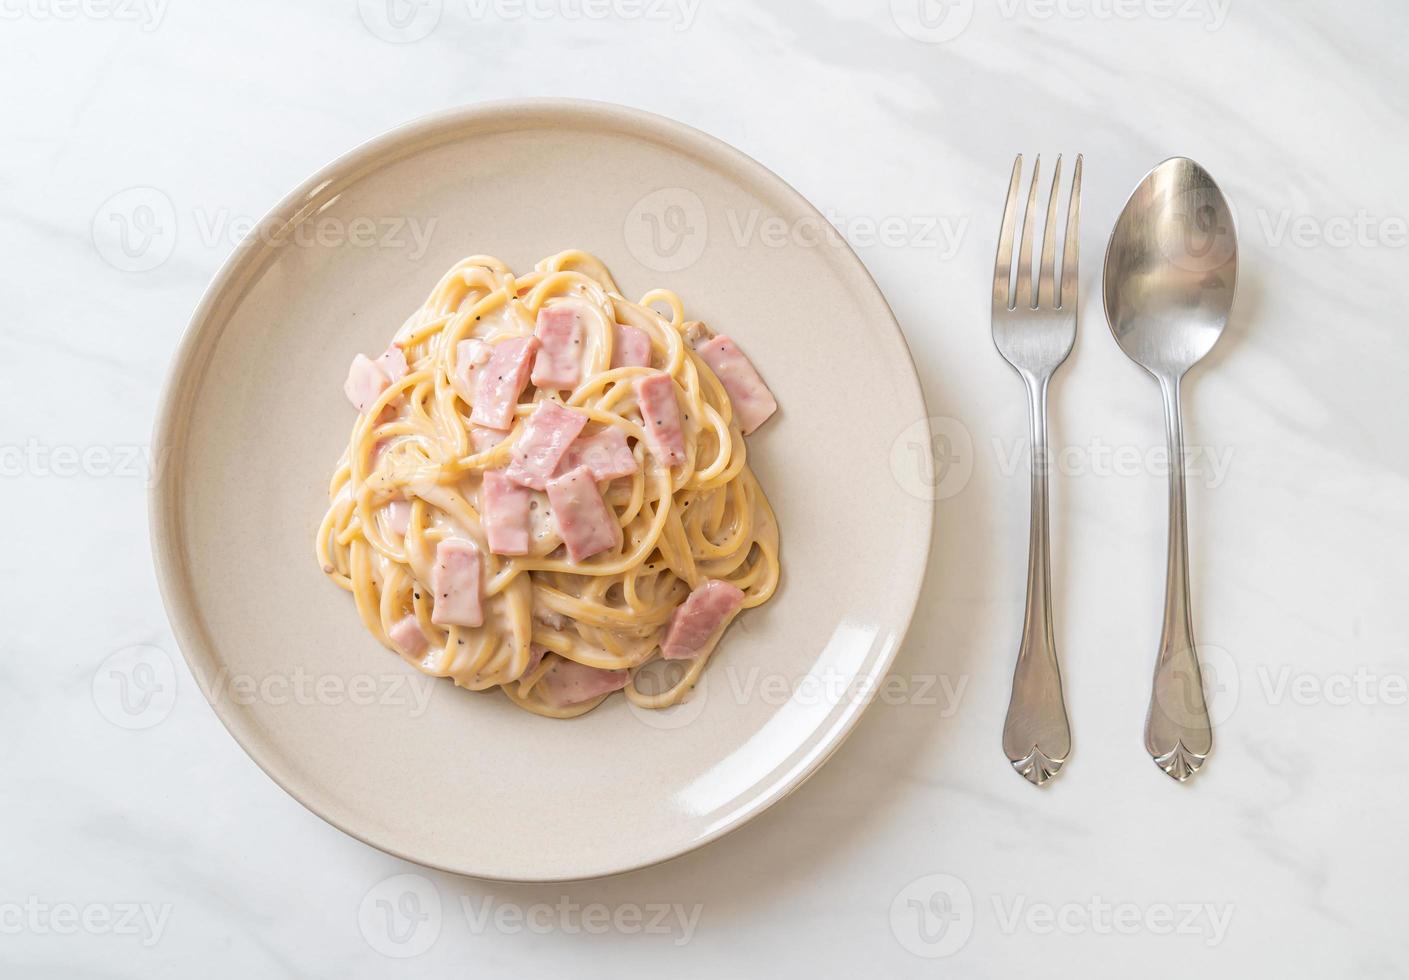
x=254, y=418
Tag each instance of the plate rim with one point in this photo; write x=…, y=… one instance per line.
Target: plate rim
x=234, y=275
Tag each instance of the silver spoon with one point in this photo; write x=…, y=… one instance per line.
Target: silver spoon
x=1171, y=271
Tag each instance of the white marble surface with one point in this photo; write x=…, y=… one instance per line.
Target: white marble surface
x=164, y=852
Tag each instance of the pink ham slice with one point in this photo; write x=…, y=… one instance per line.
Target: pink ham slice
x=393, y=364
x=398, y=516
x=501, y=381
x=365, y=383
x=535, y=657
x=484, y=439
x=545, y=438
x=631, y=347
x=559, y=361
x=568, y=682
x=699, y=619
x=470, y=356
x=505, y=514
x=585, y=522
x=606, y=454
x=455, y=581
x=660, y=417
x=407, y=637
x=753, y=402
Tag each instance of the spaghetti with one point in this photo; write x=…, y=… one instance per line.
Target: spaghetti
x=551, y=537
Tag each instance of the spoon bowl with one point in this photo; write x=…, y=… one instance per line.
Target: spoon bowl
x=1171, y=269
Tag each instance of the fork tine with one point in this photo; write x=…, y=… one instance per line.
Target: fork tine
x=1003, y=264
x=1047, y=282
x=1024, y=296
x=1072, y=245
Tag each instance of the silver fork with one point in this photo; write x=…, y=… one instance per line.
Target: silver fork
x=1035, y=335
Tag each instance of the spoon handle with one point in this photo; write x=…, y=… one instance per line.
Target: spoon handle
x=1177, y=731
x=1036, y=734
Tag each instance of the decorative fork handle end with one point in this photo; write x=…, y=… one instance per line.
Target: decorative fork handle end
x=1036, y=733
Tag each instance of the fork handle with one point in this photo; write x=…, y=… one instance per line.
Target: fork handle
x=1178, y=734
x=1036, y=734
